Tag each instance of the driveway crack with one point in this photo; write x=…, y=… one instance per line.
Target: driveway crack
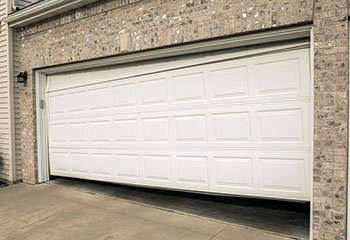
x=222, y=229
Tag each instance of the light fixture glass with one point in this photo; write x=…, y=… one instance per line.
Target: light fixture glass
x=22, y=77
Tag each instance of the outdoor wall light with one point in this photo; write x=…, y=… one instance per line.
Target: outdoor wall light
x=22, y=78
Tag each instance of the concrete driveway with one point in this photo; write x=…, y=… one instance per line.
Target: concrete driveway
x=49, y=211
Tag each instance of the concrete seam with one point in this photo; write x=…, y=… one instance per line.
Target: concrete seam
x=222, y=229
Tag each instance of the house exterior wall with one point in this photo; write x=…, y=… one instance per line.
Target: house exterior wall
x=7, y=167
x=331, y=118
x=94, y=31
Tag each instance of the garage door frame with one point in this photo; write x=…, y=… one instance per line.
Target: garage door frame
x=268, y=38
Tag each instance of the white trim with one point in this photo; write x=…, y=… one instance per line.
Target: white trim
x=42, y=10
x=11, y=110
x=11, y=121
x=43, y=173
x=200, y=47
x=347, y=235
x=312, y=47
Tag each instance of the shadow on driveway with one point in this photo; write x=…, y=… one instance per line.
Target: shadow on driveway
x=287, y=218
x=3, y=184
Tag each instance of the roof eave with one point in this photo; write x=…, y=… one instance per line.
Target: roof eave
x=42, y=10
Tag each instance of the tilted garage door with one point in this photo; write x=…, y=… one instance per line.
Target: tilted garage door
x=238, y=126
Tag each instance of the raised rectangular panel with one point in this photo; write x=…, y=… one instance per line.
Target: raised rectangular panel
x=189, y=87
x=155, y=129
x=127, y=165
x=58, y=133
x=157, y=167
x=232, y=127
x=279, y=76
x=80, y=163
x=59, y=161
x=233, y=171
x=57, y=104
x=126, y=130
x=78, y=132
x=281, y=125
x=77, y=101
x=154, y=92
x=230, y=82
x=192, y=169
x=98, y=98
x=283, y=174
x=102, y=164
x=124, y=95
x=191, y=128
x=100, y=131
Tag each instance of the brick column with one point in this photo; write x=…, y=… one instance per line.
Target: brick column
x=331, y=41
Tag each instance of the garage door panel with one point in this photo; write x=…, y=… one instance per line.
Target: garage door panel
x=188, y=87
x=281, y=125
x=284, y=174
x=157, y=168
x=77, y=101
x=191, y=128
x=59, y=162
x=286, y=124
x=124, y=95
x=229, y=82
x=277, y=77
x=126, y=131
x=282, y=74
x=261, y=174
x=154, y=91
x=128, y=166
x=192, y=170
x=155, y=130
x=99, y=99
x=58, y=133
x=102, y=164
x=232, y=127
x=269, y=174
x=235, y=126
x=100, y=131
x=57, y=104
x=80, y=163
x=78, y=132
x=232, y=171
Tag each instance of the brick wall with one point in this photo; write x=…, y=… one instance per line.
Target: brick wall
x=331, y=118
x=94, y=31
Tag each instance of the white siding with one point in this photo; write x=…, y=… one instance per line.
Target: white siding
x=5, y=118
x=17, y=129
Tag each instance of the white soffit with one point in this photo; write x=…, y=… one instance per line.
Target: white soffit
x=43, y=10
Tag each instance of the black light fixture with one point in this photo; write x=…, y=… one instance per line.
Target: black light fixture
x=22, y=77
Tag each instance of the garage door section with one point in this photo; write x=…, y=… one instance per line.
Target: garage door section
x=232, y=126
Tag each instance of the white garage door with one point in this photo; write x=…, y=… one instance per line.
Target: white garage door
x=231, y=126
